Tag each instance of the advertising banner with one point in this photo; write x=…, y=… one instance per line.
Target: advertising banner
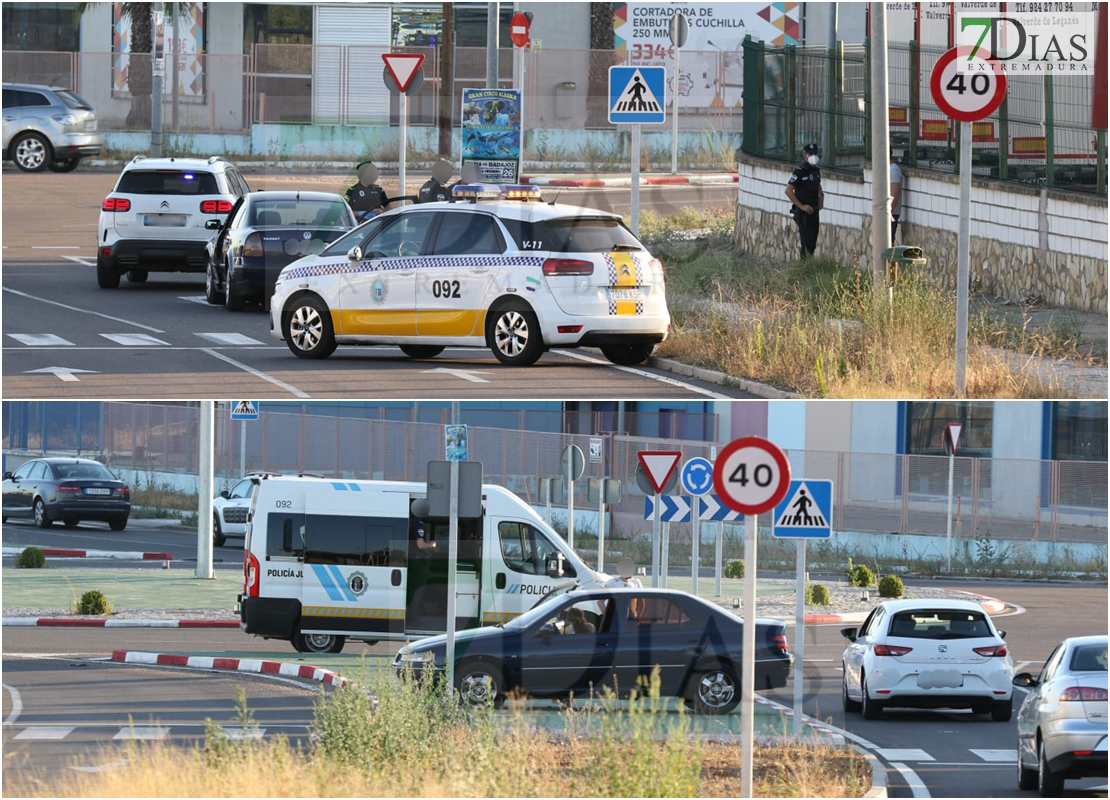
x=491, y=133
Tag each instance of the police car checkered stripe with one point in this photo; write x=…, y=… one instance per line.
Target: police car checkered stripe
x=432, y=262
x=611, y=266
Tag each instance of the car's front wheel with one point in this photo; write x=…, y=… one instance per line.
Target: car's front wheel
x=212, y=291
x=515, y=335
x=480, y=685
x=1049, y=783
x=318, y=642
x=107, y=277
x=64, y=164
x=31, y=153
x=42, y=518
x=306, y=326
x=421, y=350
x=715, y=691
x=628, y=355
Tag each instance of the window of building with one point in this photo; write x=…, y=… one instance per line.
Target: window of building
x=927, y=421
x=40, y=26
x=276, y=24
x=1079, y=431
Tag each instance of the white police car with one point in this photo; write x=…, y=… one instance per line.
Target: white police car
x=516, y=276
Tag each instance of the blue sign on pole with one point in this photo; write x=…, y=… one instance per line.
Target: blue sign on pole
x=806, y=512
x=713, y=509
x=244, y=409
x=697, y=476
x=637, y=95
x=674, y=508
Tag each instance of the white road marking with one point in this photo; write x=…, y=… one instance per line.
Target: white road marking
x=465, y=374
x=144, y=732
x=62, y=373
x=237, y=339
x=40, y=339
x=133, y=339
x=199, y=299
x=82, y=261
x=242, y=733
x=44, y=733
x=1007, y=756
x=913, y=781
x=291, y=389
x=111, y=765
x=644, y=374
x=55, y=247
x=904, y=754
x=81, y=310
x=17, y=704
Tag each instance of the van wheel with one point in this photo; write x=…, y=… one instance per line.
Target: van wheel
x=515, y=335
x=306, y=326
x=480, y=685
x=628, y=355
x=318, y=642
x=218, y=537
x=421, y=350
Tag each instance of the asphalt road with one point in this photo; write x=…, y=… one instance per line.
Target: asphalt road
x=64, y=338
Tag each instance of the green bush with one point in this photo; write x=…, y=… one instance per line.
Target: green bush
x=891, y=586
x=94, y=602
x=31, y=558
x=817, y=594
x=734, y=569
x=860, y=575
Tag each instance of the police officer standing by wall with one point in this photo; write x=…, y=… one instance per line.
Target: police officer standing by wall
x=806, y=197
x=366, y=198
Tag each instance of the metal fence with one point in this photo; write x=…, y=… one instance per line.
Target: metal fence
x=1042, y=134
x=1008, y=499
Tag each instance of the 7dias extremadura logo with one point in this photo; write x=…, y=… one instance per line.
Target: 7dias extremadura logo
x=1053, y=40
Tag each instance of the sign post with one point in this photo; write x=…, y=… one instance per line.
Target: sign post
x=679, y=31
x=656, y=475
x=697, y=479
x=951, y=439
x=751, y=475
x=602, y=491
x=967, y=97
x=637, y=95
x=804, y=514
x=574, y=463
x=403, y=75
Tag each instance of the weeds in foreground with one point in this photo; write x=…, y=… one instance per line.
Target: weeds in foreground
x=391, y=738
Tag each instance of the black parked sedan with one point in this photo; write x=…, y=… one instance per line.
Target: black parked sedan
x=66, y=489
x=264, y=232
x=588, y=639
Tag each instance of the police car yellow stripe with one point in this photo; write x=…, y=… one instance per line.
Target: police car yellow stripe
x=374, y=322
x=626, y=279
x=451, y=322
x=353, y=613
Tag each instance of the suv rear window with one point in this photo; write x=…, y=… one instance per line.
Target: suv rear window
x=169, y=181
x=73, y=100
x=572, y=235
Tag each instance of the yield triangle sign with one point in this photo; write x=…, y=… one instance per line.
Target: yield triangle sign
x=659, y=464
x=403, y=67
x=952, y=434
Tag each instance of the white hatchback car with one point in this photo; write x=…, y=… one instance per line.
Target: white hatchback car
x=156, y=218
x=928, y=654
x=518, y=277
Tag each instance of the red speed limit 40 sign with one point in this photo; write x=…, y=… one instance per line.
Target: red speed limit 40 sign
x=965, y=85
x=751, y=475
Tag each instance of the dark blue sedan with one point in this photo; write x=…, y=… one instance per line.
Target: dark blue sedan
x=67, y=489
x=585, y=640
x=264, y=232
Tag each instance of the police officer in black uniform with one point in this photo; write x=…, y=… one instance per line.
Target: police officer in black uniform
x=366, y=198
x=436, y=189
x=806, y=198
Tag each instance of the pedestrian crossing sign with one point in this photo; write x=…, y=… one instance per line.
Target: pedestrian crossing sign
x=244, y=409
x=806, y=512
x=637, y=95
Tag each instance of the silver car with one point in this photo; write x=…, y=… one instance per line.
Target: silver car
x=1062, y=724
x=47, y=127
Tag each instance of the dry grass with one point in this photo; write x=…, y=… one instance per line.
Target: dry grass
x=819, y=329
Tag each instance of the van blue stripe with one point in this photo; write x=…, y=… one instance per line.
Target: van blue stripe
x=341, y=583
x=326, y=581
x=343, y=487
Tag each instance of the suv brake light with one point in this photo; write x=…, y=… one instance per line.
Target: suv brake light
x=252, y=247
x=567, y=266
x=891, y=650
x=215, y=206
x=1089, y=693
x=116, y=204
x=992, y=650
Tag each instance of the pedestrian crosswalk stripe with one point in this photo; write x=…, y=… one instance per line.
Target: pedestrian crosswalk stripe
x=230, y=338
x=133, y=339
x=999, y=756
x=43, y=732
x=40, y=339
x=903, y=754
x=142, y=732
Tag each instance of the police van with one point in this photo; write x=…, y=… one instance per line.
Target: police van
x=487, y=269
x=330, y=560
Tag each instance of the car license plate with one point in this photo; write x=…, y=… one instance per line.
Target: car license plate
x=164, y=220
x=90, y=124
x=626, y=294
x=940, y=679
x=94, y=490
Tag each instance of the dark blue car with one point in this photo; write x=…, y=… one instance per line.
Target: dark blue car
x=68, y=489
x=582, y=641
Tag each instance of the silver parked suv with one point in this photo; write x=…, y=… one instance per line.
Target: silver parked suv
x=46, y=127
x=156, y=217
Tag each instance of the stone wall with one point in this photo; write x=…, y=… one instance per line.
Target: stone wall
x=1025, y=240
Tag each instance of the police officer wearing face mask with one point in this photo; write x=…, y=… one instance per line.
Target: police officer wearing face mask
x=806, y=198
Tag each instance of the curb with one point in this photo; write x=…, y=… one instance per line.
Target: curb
x=60, y=553
x=720, y=378
x=84, y=622
x=231, y=665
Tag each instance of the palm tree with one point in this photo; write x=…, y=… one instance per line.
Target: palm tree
x=601, y=58
x=140, y=68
